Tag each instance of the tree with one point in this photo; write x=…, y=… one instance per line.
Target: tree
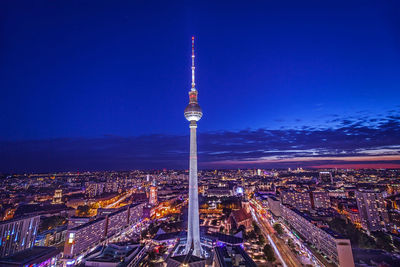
x=151, y=254
x=290, y=243
x=226, y=212
x=256, y=228
x=144, y=233
x=252, y=235
x=396, y=243
x=83, y=210
x=292, y=246
x=242, y=228
x=162, y=249
x=233, y=229
x=340, y=206
x=51, y=222
x=365, y=241
x=383, y=241
x=152, y=229
x=269, y=253
x=261, y=240
x=356, y=236
x=278, y=228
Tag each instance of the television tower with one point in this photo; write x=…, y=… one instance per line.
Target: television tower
x=193, y=113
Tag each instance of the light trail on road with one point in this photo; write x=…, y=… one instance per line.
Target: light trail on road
x=290, y=258
x=276, y=250
x=118, y=201
x=270, y=240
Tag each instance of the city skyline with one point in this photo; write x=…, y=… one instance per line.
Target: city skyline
x=308, y=86
x=296, y=161
x=218, y=150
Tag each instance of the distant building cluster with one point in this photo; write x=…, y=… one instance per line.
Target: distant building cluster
x=71, y=218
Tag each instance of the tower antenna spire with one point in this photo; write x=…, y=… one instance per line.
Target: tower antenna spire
x=193, y=83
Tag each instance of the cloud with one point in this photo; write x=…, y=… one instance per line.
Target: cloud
x=363, y=141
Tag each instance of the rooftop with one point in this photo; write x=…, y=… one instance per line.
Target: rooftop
x=186, y=259
x=117, y=252
x=18, y=219
x=79, y=227
x=29, y=256
x=226, y=257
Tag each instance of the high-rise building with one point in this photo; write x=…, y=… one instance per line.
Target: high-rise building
x=57, y=198
x=153, y=194
x=328, y=242
x=193, y=113
x=320, y=199
x=84, y=237
x=372, y=209
x=94, y=189
x=325, y=178
x=18, y=234
x=298, y=200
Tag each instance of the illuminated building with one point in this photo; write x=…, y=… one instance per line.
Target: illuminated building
x=193, y=113
x=35, y=256
x=245, y=201
x=76, y=221
x=219, y=192
x=116, y=221
x=325, y=178
x=51, y=237
x=18, y=234
x=299, y=200
x=94, y=189
x=81, y=239
x=117, y=254
x=320, y=199
x=153, y=194
x=353, y=214
x=372, y=209
x=326, y=241
x=274, y=205
x=57, y=198
x=238, y=218
x=231, y=256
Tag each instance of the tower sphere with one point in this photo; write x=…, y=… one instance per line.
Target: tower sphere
x=193, y=112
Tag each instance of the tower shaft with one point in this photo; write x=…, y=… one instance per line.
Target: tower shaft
x=193, y=235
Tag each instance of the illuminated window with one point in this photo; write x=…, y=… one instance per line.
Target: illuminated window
x=71, y=238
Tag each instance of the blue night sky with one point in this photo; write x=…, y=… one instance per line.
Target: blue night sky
x=90, y=85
